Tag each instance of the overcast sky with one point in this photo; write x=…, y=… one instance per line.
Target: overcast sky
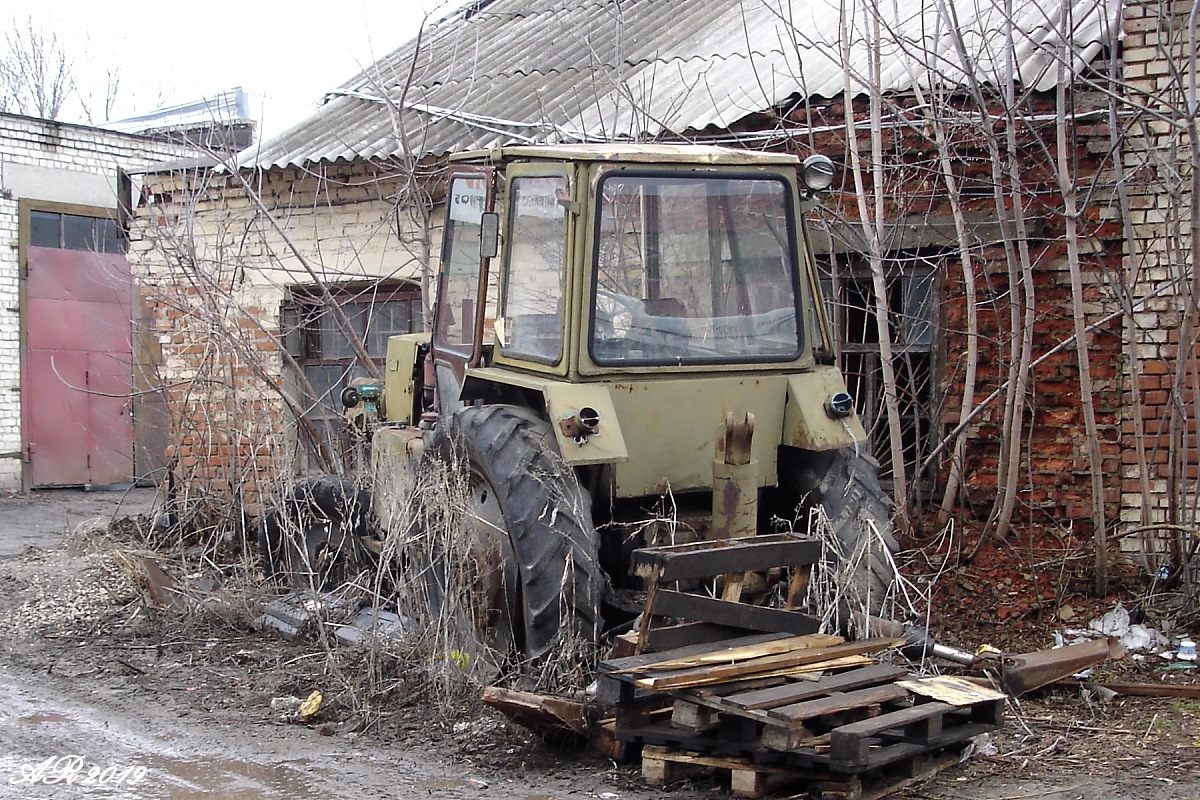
x=284, y=56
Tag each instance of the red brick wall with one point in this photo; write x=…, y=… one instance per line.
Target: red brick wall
x=1054, y=477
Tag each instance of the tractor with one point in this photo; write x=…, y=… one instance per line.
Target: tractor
x=621, y=332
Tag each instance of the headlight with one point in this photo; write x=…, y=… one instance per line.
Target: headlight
x=817, y=173
x=840, y=405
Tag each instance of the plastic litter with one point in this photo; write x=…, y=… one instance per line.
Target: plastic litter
x=1133, y=637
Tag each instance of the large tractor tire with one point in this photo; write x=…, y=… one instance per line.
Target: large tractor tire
x=312, y=537
x=526, y=508
x=846, y=483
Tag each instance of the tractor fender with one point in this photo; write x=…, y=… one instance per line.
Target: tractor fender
x=582, y=415
x=806, y=422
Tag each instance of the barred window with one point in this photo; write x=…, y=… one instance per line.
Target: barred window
x=316, y=339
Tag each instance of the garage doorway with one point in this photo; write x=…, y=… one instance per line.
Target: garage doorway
x=77, y=354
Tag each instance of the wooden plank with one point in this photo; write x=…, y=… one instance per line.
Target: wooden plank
x=797, y=713
x=671, y=637
x=621, y=665
x=799, y=671
x=643, y=631
x=747, y=778
x=540, y=712
x=797, y=586
x=669, y=603
x=604, y=739
x=733, y=587
x=1141, y=689
x=787, y=739
x=919, y=767
x=796, y=692
x=704, y=676
x=730, y=655
x=951, y=689
x=706, y=559
x=693, y=717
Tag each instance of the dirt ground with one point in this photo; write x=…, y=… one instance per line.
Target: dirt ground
x=176, y=703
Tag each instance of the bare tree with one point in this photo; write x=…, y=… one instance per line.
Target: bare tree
x=37, y=74
x=40, y=76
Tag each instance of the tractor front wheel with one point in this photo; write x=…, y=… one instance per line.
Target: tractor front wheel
x=529, y=527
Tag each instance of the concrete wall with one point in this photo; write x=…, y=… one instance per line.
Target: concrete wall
x=47, y=161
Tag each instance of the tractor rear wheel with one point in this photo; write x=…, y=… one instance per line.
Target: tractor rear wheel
x=530, y=524
x=846, y=482
x=312, y=536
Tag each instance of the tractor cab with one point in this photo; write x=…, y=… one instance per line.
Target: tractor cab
x=624, y=259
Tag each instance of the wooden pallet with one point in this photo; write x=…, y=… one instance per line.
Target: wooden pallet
x=662, y=766
x=733, y=560
x=704, y=699
x=753, y=692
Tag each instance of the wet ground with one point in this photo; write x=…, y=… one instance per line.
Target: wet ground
x=43, y=519
x=119, y=743
x=104, y=699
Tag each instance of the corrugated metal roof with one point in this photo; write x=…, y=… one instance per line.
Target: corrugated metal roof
x=228, y=106
x=644, y=152
x=531, y=71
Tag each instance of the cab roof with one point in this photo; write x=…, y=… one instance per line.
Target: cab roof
x=629, y=153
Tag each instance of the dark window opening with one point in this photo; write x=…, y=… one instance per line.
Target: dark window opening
x=322, y=347
x=74, y=232
x=911, y=287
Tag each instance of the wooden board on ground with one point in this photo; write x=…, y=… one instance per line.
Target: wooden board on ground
x=613, y=666
x=540, y=712
x=951, y=689
x=796, y=714
x=796, y=692
x=671, y=637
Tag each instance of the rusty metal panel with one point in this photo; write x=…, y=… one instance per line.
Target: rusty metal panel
x=77, y=368
x=57, y=418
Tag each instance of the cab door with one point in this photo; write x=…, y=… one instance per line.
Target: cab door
x=460, y=313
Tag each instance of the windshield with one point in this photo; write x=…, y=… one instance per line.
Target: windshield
x=696, y=269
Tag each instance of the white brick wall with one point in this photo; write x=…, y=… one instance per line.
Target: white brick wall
x=52, y=162
x=1158, y=258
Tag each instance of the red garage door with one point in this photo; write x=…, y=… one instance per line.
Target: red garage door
x=77, y=364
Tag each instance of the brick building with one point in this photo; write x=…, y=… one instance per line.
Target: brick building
x=1160, y=170
x=989, y=259
x=68, y=356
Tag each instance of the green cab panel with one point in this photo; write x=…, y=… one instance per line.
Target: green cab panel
x=806, y=423
x=399, y=385
x=681, y=420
